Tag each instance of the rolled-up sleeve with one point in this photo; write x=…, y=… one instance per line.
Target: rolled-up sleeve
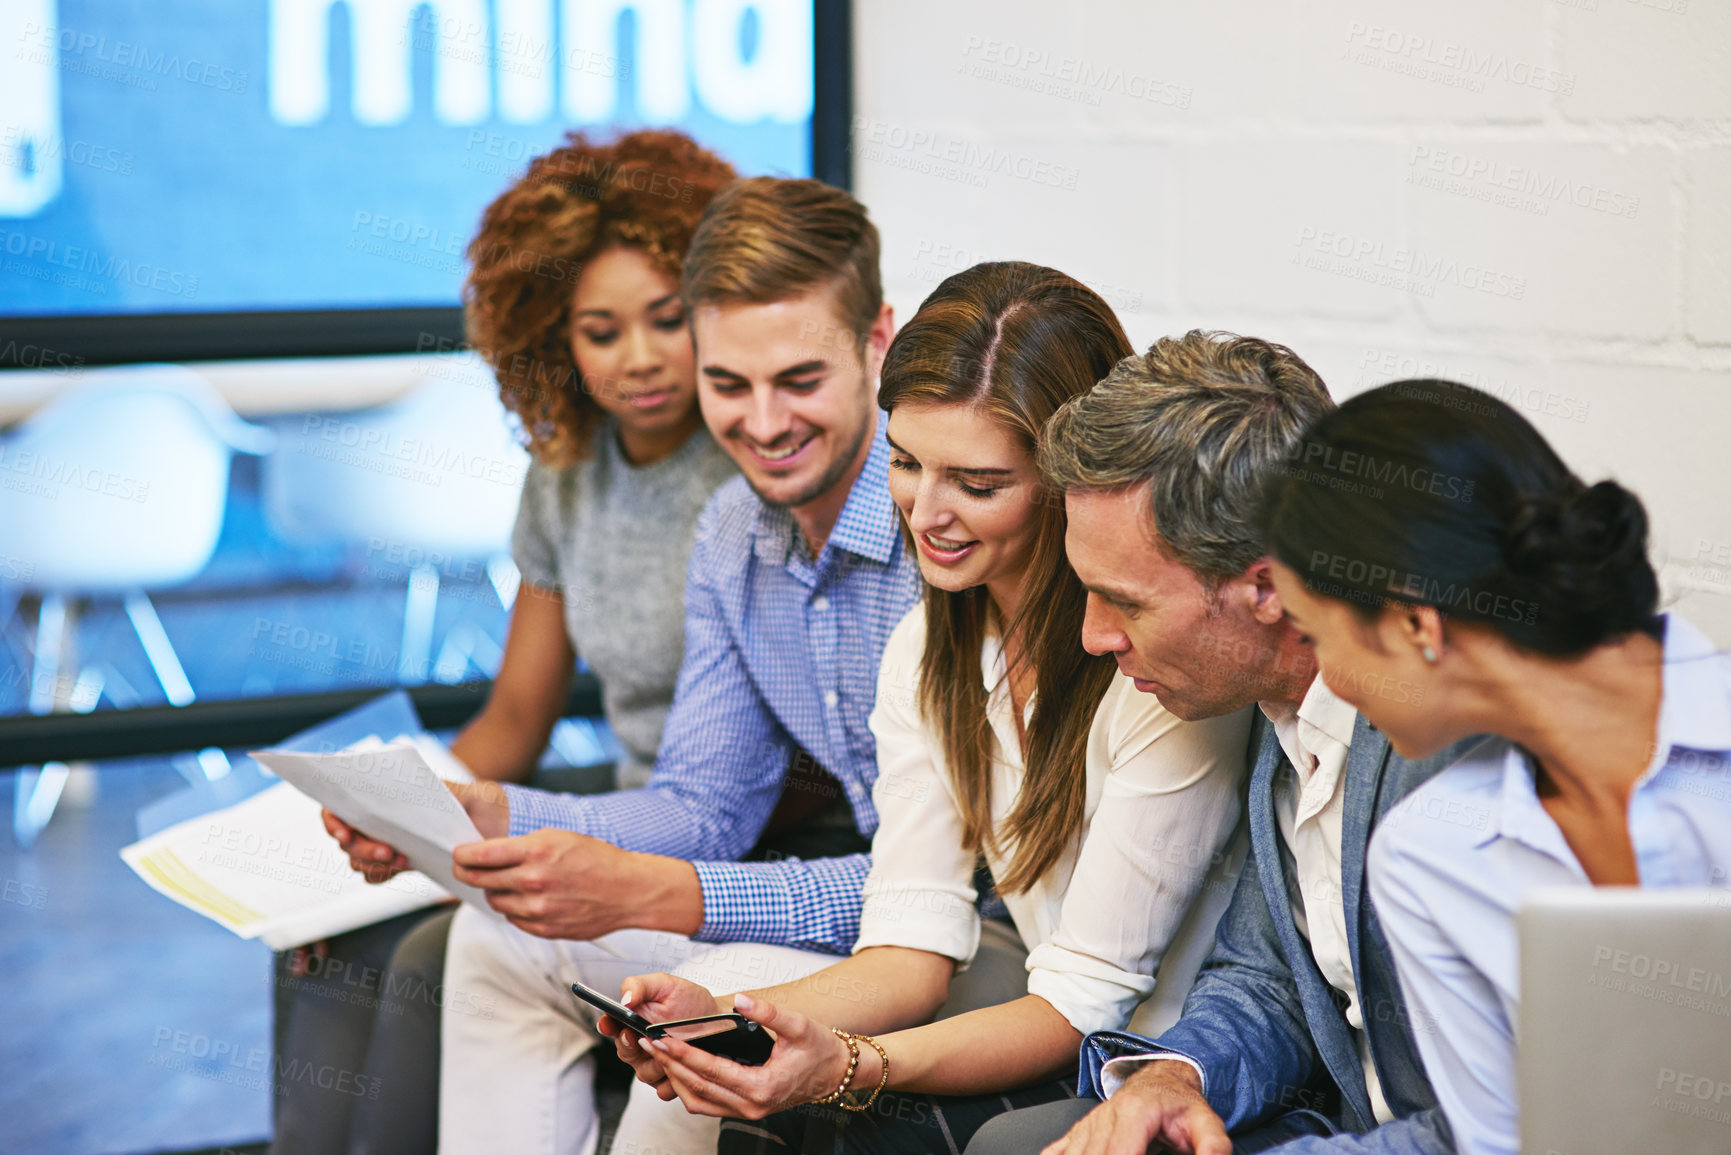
x=920, y=891
x=1170, y=802
x=812, y=904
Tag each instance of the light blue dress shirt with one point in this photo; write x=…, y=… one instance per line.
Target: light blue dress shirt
x=1450, y=866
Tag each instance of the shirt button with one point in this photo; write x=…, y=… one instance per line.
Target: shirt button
x=820, y=602
x=830, y=698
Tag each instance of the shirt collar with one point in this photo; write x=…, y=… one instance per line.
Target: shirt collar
x=773, y=540
x=1695, y=703
x=1694, y=714
x=868, y=525
x=1321, y=710
x=1333, y=715
x=1319, y=732
x=1519, y=813
x=992, y=669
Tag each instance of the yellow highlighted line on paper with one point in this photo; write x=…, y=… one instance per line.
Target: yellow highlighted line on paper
x=166, y=867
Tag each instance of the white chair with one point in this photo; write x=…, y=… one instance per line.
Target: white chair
x=426, y=484
x=116, y=486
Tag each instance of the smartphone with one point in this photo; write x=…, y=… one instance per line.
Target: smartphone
x=728, y=1034
x=613, y=1010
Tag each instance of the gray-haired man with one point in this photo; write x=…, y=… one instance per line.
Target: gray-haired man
x=1295, y=1035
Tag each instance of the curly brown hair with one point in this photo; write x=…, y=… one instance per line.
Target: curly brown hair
x=646, y=190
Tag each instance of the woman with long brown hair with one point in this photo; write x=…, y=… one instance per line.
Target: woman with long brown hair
x=999, y=737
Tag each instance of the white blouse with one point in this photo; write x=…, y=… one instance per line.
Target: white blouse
x=1163, y=798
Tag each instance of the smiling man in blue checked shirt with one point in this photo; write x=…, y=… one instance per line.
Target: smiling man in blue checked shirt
x=797, y=578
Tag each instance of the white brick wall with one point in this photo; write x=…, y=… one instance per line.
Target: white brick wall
x=1532, y=196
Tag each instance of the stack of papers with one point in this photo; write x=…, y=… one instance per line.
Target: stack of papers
x=265, y=868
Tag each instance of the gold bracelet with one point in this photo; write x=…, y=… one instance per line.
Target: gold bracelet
x=852, y=1063
x=883, y=1079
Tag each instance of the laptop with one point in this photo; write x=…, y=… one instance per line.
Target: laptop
x=1625, y=1022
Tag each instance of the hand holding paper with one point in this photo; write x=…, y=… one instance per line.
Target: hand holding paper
x=259, y=864
x=374, y=861
x=379, y=861
x=390, y=791
x=551, y=883
x=559, y=884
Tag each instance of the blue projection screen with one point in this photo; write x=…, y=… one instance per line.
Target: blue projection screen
x=209, y=156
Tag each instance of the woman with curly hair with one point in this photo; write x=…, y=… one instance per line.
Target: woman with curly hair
x=573, y=300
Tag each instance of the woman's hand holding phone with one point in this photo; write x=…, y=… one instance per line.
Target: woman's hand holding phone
x=807, y=1064
x=659, y=998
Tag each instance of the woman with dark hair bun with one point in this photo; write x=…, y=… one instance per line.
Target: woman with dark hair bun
x=1456, y=579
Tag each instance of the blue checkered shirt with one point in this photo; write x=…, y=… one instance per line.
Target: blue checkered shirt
x=780, y=652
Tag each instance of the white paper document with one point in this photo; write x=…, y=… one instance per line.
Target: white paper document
x=266, y=868
x=392, y=793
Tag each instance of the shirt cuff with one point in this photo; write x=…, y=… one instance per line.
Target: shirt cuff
x=1114, y=1073
x=1091, y=994
x=739, y=905
x=942, y=921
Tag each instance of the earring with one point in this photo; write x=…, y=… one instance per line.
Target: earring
x=1430, y=655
